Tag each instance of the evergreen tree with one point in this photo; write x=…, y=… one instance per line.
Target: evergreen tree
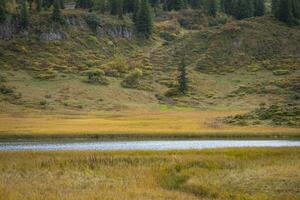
x=136, y=11
x=2, y=11
x=182, y=78
x=24, y=18
x=38, y=5
x=285, y=11
x=259, y=7
x=120, y=9
x=113, y=7
x=62, y=4
x=144, y=23
x=275, y=5
x=212, y=8
x=244, y=9
x=56, y=14
x=85, y=4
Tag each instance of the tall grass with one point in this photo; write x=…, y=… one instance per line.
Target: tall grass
x=247, y=173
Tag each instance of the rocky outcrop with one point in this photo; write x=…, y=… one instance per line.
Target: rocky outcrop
x=50, y=36
x=8, y=28
x=119, y=31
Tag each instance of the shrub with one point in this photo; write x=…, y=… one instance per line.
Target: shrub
x=116, y=68
x=132, y=80
x=96, y=76
x=92, y=20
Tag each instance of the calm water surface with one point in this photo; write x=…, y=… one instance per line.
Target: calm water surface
x=144, y=145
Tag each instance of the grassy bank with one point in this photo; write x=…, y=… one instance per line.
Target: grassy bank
x=135, y=125
x=248, y=173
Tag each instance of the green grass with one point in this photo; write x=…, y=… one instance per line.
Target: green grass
x=247, y=173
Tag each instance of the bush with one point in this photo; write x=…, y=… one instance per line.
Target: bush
x=132, y=80
x=92, y=20
x=116, y=68
x=96, y=76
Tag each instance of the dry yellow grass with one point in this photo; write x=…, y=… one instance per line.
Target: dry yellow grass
x=193, y=123
x=249, y=173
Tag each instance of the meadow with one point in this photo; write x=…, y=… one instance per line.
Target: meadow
x=141, y=124
x=246, y=173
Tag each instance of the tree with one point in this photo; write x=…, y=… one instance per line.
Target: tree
x=2, y=11
x=24, y=18
x=259, y=7
x=85, y=4
x=285, y=11
x=212, y=8
x=144, y=22
x=38, y=5
x=56, y=14
x=244, y=9
x=62, y=4
x=182, y=78
x=113, y=7
x=120, y=9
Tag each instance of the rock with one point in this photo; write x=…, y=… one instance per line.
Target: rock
x=51, y=36
x=119, y=31
x=8, y=28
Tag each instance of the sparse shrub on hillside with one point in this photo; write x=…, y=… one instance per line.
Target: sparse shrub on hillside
x=92, y=20
x=116, y=68
x=96, y=76
x=132, y=80
x=276, y=114
x=56, y=13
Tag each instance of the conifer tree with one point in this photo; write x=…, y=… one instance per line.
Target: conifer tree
x=24, y=18
x=56, y=14
x=244, y=9
x=285, y=11
x=2, y=11
x=120, y=9
x=212, y=8
x=113, y=7
x=38, y=5
x=259, y=7
x=182, y=78
x=62, y=4
x=144, y=23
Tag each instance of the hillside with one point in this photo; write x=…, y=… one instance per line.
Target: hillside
x=233, y=67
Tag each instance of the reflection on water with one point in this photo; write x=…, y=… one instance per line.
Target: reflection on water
x=144, y=145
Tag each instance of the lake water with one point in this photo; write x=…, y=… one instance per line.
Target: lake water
x=144, y=145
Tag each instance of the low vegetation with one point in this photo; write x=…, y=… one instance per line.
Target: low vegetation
x=247, y=173
x=277, y=114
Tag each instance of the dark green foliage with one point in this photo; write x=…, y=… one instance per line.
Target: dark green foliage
x=120, y=8
x=100, y=5
x=285, y=11
x=114, y=7
x=92, y=20
x=143, y=21
x=174, y=4
x=182, y=78
x=24, y=18
x=212, y=8
x=56, y=14
x=62, y=4
x=38, y=5
x=46, y=4
x=2, y=11
x=85, y=4
x=259, y=7
x=244, y=9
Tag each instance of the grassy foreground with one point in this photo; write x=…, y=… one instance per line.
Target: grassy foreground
x=247, y=173
x=134, y=125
